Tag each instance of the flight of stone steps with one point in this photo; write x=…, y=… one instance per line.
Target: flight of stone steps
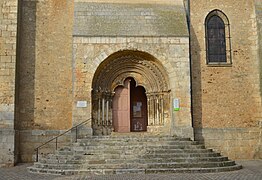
x=133, y=154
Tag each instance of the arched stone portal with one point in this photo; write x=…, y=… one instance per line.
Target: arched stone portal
x=146, y=71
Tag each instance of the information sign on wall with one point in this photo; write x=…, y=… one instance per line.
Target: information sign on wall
x=81, y=104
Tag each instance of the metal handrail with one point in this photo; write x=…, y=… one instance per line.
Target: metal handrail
x=56, y=138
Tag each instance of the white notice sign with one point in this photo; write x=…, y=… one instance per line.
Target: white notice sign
x=176, y=105
x=81, y=104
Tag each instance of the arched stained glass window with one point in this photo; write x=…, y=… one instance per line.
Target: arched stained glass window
x=217, y=38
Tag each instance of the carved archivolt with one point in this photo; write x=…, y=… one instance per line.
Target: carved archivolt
x=112, y=72
x=144, y=68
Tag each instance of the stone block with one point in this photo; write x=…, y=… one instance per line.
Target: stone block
x=232, y=142
x=5, y=59
x=6, y=147
x=6, y=115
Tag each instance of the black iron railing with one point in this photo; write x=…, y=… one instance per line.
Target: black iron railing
x=56, y=138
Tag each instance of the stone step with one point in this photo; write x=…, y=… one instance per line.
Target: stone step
x=190, y=165
x=130, y=141
x=57, y=166
x=134, y=154
x=139, y=159
x=170, y=155
x=55, y=158
x=194, y=170
x=87, y=171
x=58, y=158
x=120, y=143
x=134, y=170
x=45, y=171
x=143, y=146
x=65, y=153
x=138, y=151
x=167, y=151
x=102, y=164
x=97, y=164
x=168, y=160
x=135, y=136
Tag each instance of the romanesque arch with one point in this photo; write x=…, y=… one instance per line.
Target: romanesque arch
x=146, y=70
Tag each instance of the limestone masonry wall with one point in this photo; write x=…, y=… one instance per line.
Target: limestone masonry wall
x=26, y=65
x=258, y=5
x=8, y=31
x=173, y=53
x=227, y=97
x=44, y=98
x=235, y=143
x=176, y=2
x=125, y=19
x=29, y=139
x=53, y=66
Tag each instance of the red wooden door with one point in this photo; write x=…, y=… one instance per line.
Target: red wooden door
x=121, y=108
x=138, y=108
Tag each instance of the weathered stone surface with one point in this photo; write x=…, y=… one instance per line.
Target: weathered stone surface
x=258, y=9
x=8, y=29
x=132, y=153
x=125, y=19
x=226, y=96
x=227, y=100
x=236, y=143
x=7, y=147
x=91, y=52
x=44, y=84
x=59, y=46
x=30, y=139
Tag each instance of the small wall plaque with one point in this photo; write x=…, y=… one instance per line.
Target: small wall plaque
x=176, y=105
x=81, y=104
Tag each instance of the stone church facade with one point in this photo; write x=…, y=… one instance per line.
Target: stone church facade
x=170, y=67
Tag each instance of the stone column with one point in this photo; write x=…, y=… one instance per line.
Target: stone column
x=99, y=111
x=107, y=112
x=108, y=109
x=151, y=109
x=161, y=121
x=110, y=115
x=103, y=111
x=103, y=124
x=156, y=110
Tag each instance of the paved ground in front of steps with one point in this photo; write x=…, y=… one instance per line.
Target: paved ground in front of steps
x=252, y=170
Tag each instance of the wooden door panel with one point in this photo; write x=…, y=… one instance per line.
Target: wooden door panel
x=124, y=103
x=139, y=116
x=121, y=108
x=138, y=108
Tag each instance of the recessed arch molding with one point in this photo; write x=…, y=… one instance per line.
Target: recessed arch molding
x=146, y=70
